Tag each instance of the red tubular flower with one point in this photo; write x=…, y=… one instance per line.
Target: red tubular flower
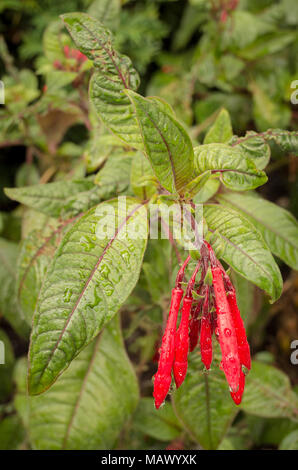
x=163, y=378
x=237, y=396
x=243, y=346
x=226, y=332
x=182, y=335
x=206, y=333
x=182, y=343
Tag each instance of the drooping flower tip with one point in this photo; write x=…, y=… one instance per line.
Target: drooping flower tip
x=161, y=387
x=180, y=370
x=237, y=396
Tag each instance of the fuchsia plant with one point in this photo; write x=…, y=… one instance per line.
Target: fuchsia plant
x=90, y=260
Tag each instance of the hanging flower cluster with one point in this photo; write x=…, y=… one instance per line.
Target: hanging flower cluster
x=213, y=310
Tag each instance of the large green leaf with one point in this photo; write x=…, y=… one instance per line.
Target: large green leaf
x=9, y=306
x=236, y=171
x=87, y=407
x=203, y=403
x=268, y=393
x=166, y=142
x=92, y=273
x=62, y=198
x=278, y=227
x=243, y=248
x=113, y=74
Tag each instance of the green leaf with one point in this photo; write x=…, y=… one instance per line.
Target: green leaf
x=166, y=142
x=160, y=424
x=113, y=74
x=290, y=9
x=267, y=44
x=87, y=407
x=221, y=131
x=9, y=306
x=269, y=431
x=254, y=147
x=62, y=198
x=290, y=442
x=101, y=144
x=36, y=253
x=156, y=267
x=236, y=171
x=244, y=248
x=141, y=177
x=286, y=140
x=191, y=20
x=92, y=273
x=6, y=368
x=203, y=403
x=27, y=174
x=268, y=112
x=11, y=433
x=278, y=226
x=245, y=297
x=114, y=177
x=241, y=21
x=198, y=183
x=106, y=11
x=207, y=191
x=52, y=46
x=268, y=393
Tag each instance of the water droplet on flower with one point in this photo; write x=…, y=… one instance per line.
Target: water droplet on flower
x=227, y=332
